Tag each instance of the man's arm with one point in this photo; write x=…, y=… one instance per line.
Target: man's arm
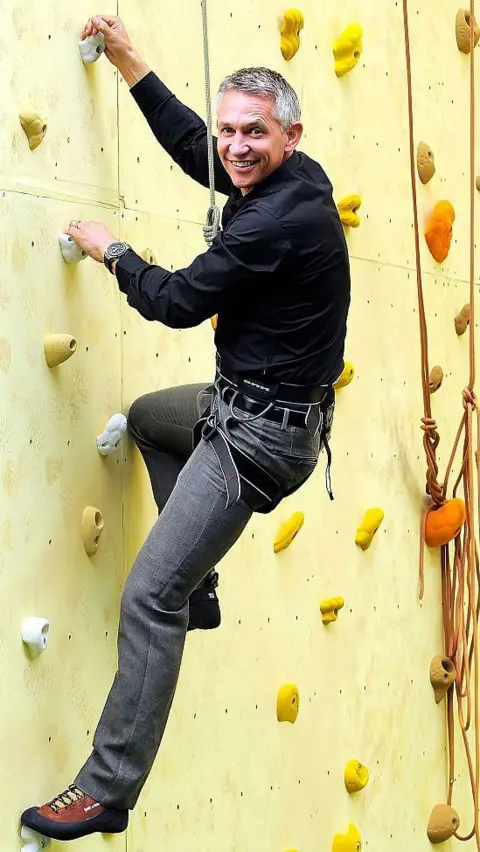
x=240, y=260
x=180, y=131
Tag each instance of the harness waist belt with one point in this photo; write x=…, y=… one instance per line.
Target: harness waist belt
x=282, y=392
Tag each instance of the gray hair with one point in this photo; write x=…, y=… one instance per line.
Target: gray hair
x=263, y=81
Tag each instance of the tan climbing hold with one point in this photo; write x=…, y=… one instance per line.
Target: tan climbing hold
x=425, y=162
x=443, y=823
x=356, y=776
x=462, y=31
x=462, y=320
x=288, y=531
x=149, y=256
x=435, y=378
x=214, y=322
x=35, y=126
x=290, y=30
x=288, y=703
x=92, y=528
x=347, y=209
x=58, y=348
x=442, y=674
x=329, y=609
x=477, y=182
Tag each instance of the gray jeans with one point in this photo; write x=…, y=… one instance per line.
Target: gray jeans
x=193, y=532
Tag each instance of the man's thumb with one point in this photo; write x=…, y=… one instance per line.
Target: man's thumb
x=101, y=25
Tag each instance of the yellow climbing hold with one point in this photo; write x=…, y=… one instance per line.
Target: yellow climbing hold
x=329, y=609
x=34, y=125
x=288, y=531
x=214, y=321
x=288, y=702
x=349, y=842
x=369, y=526
x=347, y=209
x=347, y=49
x=292, y=24
x=346, y=376
x=356, y=776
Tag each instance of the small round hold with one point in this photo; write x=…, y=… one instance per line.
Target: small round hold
x=443, y=823
x=71, y=252
x=34, y=841
x=58, y=348
x=92, y=47
x=35, y=634
x=92, y=528
x=462, y=320
x=435, y=379
x=111, y=436
x=149, y=256
x=425, y=162
x=34, y=126
x=477, y=183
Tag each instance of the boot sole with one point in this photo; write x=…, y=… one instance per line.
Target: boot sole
x=109, y=822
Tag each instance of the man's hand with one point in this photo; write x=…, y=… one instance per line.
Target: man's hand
x=92, y=237
x=118, y=46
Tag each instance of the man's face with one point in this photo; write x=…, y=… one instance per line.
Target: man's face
x=251, y=143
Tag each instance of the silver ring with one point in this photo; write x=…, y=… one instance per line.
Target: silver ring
x=76, y=223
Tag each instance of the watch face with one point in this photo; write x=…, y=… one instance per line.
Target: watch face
x=116, y=249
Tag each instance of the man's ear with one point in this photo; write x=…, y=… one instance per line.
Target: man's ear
x=294, y=134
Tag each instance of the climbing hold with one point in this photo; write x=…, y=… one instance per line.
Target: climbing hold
x=214, y=322
x=444, y=524
x=114, y=431
x=369, y=526
x=477, y=182
x=356, y=776
x=92, y=47
x=92, y=528
x=71, y=252
x=288, y=531
x=425, y=162
x=35, y=634
x=462, y=31
x=462, y=320
x=347, y=209
x=346, y=376
x=58, y=348
x=329, y=609
x=34, y=841
x=34, y=125
x=349, y=842
x=291, y=27
x=288, y=702
x=442, y=674
x=438, y=233
x=435, y=378
x=443, y=824
x=149, y=256
x=347, y=49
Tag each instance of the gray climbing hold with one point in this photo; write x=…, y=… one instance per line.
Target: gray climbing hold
x=91, y=48
x=114, y=431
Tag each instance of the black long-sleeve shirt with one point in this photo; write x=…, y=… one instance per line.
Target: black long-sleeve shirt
x=277, y=274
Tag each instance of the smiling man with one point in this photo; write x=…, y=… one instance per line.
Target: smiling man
x=277, y=275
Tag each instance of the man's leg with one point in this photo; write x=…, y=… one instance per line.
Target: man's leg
x=161, y=424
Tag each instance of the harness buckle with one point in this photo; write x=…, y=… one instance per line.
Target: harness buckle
x=209, y=427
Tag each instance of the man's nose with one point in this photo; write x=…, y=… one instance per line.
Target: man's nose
x=238, y=146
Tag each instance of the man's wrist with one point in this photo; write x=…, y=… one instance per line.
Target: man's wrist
x=114, y=263
x=133, y=68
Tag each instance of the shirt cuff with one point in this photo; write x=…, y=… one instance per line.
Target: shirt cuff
x=150, y=92
x=126, y=266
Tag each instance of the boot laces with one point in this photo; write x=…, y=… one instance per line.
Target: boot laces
x=66, y=799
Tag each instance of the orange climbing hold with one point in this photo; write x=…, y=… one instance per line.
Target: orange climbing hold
x=214, y=322
x=438, y=233
x=443, y=525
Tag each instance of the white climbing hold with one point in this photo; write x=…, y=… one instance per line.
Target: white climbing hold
x=35, y=634
x=92, y=47
x=70, y=251
x=34, y=841
x=113, y=433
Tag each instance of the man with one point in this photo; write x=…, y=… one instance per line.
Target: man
x=277, y=276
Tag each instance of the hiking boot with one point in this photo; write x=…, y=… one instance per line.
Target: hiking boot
x=204, y=605
x=73, y=814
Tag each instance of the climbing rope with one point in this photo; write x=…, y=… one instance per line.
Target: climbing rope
x=210, y=229
x=460, y=574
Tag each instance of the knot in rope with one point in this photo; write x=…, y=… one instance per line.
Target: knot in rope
x=469, y=398
x=210, y=229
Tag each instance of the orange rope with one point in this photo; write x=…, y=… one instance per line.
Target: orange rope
x=460, y=574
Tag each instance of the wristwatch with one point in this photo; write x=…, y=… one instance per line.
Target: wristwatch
x=113, y=252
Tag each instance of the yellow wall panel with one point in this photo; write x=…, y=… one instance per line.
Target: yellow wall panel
x=228, y=777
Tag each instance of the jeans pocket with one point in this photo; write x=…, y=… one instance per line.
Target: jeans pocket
x=292, y=442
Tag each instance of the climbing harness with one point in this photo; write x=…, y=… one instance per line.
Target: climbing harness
x=210, y=229
x=460, y=574
x=243, y=476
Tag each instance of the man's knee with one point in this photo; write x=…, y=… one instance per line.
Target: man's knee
x=136, y=416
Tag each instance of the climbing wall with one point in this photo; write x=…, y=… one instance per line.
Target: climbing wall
x=229, y=776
